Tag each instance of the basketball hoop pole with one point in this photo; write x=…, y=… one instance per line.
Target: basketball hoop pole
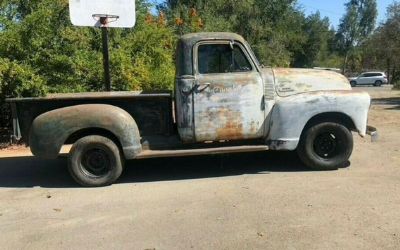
x=106, y=54
x=103, y=14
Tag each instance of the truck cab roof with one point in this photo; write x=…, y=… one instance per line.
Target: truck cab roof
x=193, y=38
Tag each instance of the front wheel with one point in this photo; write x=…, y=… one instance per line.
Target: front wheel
x=353, y=83
x=95, y=161
x=326, y=146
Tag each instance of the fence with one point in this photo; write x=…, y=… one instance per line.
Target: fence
x=5, y=123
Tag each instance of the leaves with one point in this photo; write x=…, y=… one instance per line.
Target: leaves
x=38, y=39
x=18, y=80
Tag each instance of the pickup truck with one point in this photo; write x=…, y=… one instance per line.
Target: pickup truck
x=224, y=101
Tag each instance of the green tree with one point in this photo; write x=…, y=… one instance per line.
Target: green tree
x=18, y=80
x=39, y=35
x=383, y=48
x=272, y=27
x=316, y=46
x=355, y=26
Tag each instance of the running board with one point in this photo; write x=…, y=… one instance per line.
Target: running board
x=204, y=151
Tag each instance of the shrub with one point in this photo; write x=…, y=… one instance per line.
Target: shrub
x=17, y=80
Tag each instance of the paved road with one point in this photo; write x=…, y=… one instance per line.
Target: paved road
x=246, y=201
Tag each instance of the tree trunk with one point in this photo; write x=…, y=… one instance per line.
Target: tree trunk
x=389, y=77
x=345, y=63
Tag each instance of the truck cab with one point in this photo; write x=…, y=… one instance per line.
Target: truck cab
x=221, y=91
x=224, y=101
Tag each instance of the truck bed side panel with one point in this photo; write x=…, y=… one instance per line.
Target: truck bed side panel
x=152, y=113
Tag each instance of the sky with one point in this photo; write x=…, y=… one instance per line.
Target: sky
x=334, y=9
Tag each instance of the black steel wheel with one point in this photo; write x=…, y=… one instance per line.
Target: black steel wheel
x=326, y=146
x=95, y=161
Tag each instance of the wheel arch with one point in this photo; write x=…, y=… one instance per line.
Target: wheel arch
x=51, y=130
x=336, y=117
x=74, y=137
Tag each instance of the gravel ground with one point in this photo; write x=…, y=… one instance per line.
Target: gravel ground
x=247, y=201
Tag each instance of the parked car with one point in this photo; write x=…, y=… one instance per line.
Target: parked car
x=369, y=78
x=225, y=102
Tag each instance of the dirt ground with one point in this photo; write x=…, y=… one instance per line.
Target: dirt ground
x=247, y=201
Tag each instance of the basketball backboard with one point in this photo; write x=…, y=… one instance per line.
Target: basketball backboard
x=87, y=12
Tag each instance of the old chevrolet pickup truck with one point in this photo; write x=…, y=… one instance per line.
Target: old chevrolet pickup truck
x=224, y=101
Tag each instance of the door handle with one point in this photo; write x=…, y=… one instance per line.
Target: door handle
x=202, y=86
x=197, y=88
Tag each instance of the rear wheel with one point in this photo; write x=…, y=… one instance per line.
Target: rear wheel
x=326, y=146
x=378, y=83
x=95, y=161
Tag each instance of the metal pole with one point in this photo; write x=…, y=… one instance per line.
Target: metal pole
x=106, y=58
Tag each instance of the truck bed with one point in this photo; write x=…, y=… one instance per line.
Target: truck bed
x=151, y=111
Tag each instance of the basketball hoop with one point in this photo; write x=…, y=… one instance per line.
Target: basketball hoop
x=121, y=14
x=105, y=19
x=94, y=13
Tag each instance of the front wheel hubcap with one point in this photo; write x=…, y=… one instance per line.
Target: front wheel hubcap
x=326, y=145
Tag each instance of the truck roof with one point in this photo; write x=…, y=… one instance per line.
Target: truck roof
x=193, y=38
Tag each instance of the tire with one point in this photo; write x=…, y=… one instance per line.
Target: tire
x=95, y=161
x=378, y=83
x=353, y=83
x=326, y=146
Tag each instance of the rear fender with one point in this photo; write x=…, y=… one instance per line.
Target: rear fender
x=51, y=130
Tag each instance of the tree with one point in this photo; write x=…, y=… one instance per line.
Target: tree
x=272, y=27
x=38, y=36
x=383, y=47
x=316, y=47
x=356, y=25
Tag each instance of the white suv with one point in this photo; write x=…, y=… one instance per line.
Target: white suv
x=373, y=78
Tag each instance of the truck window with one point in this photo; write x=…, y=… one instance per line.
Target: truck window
x=220, y=58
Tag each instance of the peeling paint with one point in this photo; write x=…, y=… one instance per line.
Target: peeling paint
x=270, y=105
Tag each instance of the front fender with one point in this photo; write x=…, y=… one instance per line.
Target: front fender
x=50, y=130
x=291, y=114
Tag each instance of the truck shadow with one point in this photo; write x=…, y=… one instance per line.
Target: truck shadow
x=28, y=172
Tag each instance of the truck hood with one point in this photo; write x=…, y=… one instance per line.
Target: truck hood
x=296, y=81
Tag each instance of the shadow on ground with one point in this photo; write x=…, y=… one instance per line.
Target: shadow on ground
x=392, y=101
x=26, y=172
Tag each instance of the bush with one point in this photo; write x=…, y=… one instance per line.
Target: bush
x=18, y=80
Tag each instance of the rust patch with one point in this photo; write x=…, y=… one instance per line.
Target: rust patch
x=232, y=130
x=229, y=124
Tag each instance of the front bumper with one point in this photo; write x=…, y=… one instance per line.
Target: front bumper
x=373, y=132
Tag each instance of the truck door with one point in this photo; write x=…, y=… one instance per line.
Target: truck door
x=228, y=93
